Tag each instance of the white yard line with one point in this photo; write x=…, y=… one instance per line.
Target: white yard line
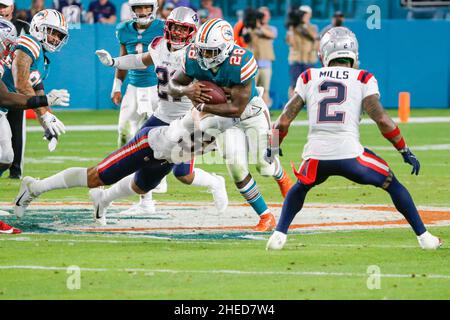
x=113, y=127
x=228, y=272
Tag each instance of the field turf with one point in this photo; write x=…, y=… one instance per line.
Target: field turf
x=326, y=265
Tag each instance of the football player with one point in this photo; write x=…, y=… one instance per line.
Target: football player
x=215, y=57
x=49, y=32
x=11, y=100
x=166, y=54
x=335, y=96
x=141, y=95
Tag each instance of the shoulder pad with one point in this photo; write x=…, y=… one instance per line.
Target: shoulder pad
x=31, y=46
x=364, y=76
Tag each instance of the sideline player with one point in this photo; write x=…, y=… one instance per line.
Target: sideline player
x=215, y=57
x=166, y=54
x=141, y=95
x=336, y=95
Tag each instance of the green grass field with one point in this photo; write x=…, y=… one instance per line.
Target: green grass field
x=321, y=265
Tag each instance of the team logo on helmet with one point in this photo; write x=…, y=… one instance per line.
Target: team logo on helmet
x=227, y=33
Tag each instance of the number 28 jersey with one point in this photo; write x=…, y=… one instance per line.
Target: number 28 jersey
x=334, y=97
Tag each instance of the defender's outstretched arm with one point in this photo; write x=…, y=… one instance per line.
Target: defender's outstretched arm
x=125, y=62
x=390, y=130
x=290, y=112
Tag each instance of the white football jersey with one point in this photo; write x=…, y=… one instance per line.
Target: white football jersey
x=166, y=64
x=333, y=98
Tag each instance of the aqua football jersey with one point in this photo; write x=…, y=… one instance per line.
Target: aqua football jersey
x=238, y=69
x=136, y=42
x=40, y=66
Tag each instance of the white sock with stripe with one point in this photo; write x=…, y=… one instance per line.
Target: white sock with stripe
x=69, y=178
x=120, y=190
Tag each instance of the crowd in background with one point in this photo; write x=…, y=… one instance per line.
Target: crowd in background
x=253, y=29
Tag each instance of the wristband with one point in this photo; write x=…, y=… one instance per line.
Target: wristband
x=117, y=86
x=401, y=144
x=392, y=134
x=37, y=102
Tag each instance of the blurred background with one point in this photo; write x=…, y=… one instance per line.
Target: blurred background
x=405, y=43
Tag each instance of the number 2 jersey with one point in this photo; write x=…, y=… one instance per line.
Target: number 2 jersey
x=166, y=63
x=334, y=97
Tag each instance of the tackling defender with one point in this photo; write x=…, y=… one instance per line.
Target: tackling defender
x=141, y=95
x=215, y=57
x=166, y=54
x=336, y=95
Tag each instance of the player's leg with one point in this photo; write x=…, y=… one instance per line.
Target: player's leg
x=233, y=147
x=140, y=183
x=370, y=169
x=128, y=116
x=257, y=130
x=6, y=149
x=121, y=163
x=187, y=173
x=311, y=173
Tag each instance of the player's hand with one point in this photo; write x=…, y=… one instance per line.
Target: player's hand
x=116, y=98
x=58, y=98
x=105, y=58
x=410, y=158
x=271, y=154
x=52, y=140
x=197, y=92
x=53, y=124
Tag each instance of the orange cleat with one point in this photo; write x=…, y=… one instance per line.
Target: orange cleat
x=267, y=222
x=7, y=229
x=285, y=184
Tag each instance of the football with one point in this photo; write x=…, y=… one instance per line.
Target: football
x=217, y=93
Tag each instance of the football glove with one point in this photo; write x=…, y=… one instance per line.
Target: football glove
x=52, y=140
x=410, y=158
x=271, y=153
x=53, y=124
x=58, y=98
x=105, y=58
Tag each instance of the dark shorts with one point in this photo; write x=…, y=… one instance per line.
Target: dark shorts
x=295, y=70
x=135, y=156
x=368, y=169
x=179, y=170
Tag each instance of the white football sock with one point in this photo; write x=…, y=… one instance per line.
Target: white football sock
x=146, y=199
x=119, y=190
x=204, y=179
x=69, y=178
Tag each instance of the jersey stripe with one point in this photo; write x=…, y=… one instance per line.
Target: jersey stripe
x=249, y=70
x=206, y=29
x=155, y=42
x=364, y=76
x=306, y=76
x=30, y=45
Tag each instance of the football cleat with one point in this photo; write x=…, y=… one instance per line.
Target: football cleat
x=276, y=241
x=220, y=194
x=267, y=222
x=285, y=184
x=100, y=206
x=7, y=229
x=429, y=242
x=24, y=197
x=142, y=208
x=162, y=186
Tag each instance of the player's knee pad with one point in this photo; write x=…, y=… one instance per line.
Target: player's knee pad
x=6, y=152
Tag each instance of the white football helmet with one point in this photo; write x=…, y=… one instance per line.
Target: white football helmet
x=338, y=42
x=8, y=37
x=181, y=26
x=50, y=28
x=144, y=19
x=214, y=43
